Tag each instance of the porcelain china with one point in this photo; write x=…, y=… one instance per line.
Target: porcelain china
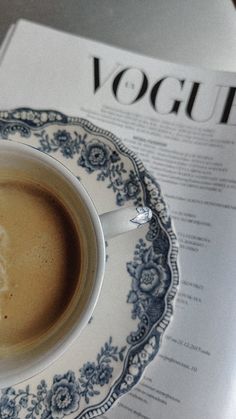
x=141, y=277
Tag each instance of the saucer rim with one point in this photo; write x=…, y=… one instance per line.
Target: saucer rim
x=110, y=399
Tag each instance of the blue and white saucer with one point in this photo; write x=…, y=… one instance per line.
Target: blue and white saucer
x=136, y=301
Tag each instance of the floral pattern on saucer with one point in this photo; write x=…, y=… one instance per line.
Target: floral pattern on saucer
x=66, y=391
x=94, y=156
x=92, y=383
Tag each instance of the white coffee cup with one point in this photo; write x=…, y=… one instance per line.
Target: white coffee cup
x=43, y=170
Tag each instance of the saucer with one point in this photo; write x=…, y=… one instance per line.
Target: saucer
x=136, y=302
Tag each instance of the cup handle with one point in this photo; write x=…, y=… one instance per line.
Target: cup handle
x=122, y=220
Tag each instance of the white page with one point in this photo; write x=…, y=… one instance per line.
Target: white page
x=194, y=375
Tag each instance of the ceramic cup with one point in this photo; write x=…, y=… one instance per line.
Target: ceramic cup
x=23, y=165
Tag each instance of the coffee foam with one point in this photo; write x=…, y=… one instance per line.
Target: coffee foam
x=39, y=262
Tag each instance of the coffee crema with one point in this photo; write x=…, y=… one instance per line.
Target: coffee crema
x=40, y=260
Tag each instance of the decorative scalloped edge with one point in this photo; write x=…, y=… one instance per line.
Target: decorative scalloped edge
x=60, y=118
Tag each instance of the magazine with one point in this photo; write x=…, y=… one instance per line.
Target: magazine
x=181, y=121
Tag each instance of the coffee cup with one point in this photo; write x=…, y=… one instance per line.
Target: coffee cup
x=52, y=258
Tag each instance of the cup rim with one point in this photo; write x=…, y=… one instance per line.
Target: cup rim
x=62, y=346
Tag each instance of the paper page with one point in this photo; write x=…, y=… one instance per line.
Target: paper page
x=181, y=122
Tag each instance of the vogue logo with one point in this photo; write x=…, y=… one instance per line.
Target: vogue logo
x=130, y=85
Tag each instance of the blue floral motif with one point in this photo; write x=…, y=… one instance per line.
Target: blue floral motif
x=114, y=156
x=88, y=371
x=104, y=373
x=131, y=188
x=8, y=408
x=67, y=151
x=130, y=191
x=62, y=140
x=61, y=137
x=150, y=281
x=63, y=398
x=46, y=415
x=98, y=374
x=66, y=392
x=150, y=278
x=95, y=156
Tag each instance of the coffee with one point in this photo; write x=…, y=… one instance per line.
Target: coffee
x=40, y=258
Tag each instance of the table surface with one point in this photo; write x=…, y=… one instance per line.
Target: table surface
x=201, y=32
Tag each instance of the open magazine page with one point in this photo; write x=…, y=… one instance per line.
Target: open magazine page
x=181, y=123
x=194, y=161
x=184, y=131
